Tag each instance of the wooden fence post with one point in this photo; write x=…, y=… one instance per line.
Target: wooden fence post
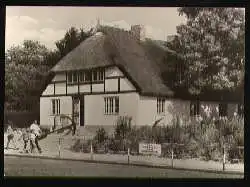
x=91, y=150
x=128, y=154
x=224, y=157
x=172, y=157
x=59, y=147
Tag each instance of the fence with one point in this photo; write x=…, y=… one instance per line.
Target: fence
x=171, y=152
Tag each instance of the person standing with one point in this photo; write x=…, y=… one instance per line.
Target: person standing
x=26, y=138
x=10, y=136
x=35, y=133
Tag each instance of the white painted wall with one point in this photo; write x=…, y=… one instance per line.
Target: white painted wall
x=126, y=85
x=46, y=117
x=59, y=77
x=94, y=109
x=71, y=89
x=84, y=88
x=147, y=114
x=111, y=85
x=49, y=90
x=98, y=87
x=60, y=88
x=112, y=72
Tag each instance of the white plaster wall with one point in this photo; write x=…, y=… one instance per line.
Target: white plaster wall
x=72, y=89
x=94, y=109
x=148, y=111
x=59, y=77
x=60, y=88
x=46, y=117
x=112, y=72
x=126, y=85
x=84, y=88
x=111, y=85
x=98, y=87
x=49, y=90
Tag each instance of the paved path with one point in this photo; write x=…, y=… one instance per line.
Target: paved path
x=52, y=152
x=16, y=166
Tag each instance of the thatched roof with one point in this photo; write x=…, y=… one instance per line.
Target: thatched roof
x=113, y=46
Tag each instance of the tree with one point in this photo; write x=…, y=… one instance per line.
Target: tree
x=71, y=39
x=211, y=46
x=24, y=70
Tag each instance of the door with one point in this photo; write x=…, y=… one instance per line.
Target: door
x=82, y=111
x=76, y=110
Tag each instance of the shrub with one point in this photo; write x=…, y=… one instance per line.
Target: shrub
x=81, y=146
x=101, y=135
x=123, y=127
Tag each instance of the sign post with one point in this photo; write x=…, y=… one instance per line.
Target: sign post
x=224, y=157
x=150, y=149
x=172, y=157
x=59, y=147
x=91, y=150
x=128, y=154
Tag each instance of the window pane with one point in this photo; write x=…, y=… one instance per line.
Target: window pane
x=53, y=106
x=117, y=105
x=94, y=73
x=105, y=103
x=69, y=77
x=87, y=76
x=74, y=77
x=81, y=76
x=162, y=105
x=112, y=105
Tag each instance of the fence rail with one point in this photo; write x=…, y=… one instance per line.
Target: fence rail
x=83, y=145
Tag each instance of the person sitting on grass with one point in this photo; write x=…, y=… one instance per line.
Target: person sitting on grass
x=10, y=136
x=35, y=133
x=26, y=139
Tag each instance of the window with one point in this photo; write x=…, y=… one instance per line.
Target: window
x=72, y=77
x=111, y=105
x=160, y=105
x=81, y=76
x=55, y=106
x=222, y=109
x=194, y=108
x=97, y=75
x=87, y=76
x=69, y=77
x=241, y=110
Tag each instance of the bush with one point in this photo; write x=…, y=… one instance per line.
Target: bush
x=101, y=135
x=81, y=146
x=123, y=127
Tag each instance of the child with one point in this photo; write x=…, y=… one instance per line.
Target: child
x=26, y=138
x=10, y=136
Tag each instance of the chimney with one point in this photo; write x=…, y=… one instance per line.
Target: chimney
x=138, y=31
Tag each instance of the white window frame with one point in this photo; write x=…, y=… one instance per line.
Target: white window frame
x=160, y=106
x=111, y=105
x=71, y=76
x=56, y=106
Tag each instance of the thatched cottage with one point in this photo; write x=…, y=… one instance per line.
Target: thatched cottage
x=116, y=73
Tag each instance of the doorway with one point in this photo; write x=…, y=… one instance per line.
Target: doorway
x=78, y=110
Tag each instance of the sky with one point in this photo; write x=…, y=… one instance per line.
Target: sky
x=49, y=24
